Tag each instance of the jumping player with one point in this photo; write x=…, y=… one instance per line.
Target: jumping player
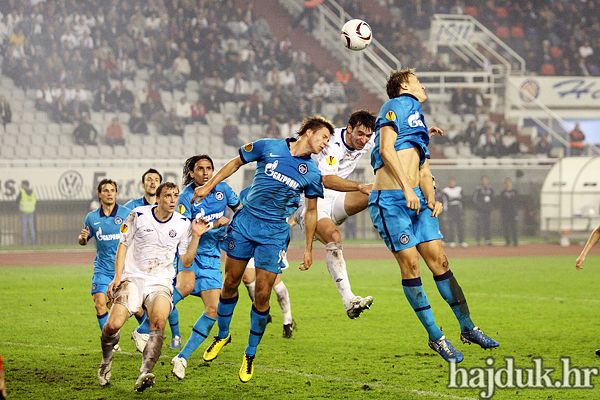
x=259, y=230
x=404, y=211
x=342, y=199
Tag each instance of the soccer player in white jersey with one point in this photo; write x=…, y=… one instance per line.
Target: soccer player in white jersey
x=343, y=198
x=150, y=237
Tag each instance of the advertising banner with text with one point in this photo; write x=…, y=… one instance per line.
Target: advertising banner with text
x=557, y=92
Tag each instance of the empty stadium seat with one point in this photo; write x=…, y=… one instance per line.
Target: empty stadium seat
x=106, y=151
x=64, y=152
x=24, y=140
x=7, y=152
x=502, y=31
x=50, y=151
x=9, y=140
x=92, y=151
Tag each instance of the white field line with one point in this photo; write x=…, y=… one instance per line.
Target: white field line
x=425, y=393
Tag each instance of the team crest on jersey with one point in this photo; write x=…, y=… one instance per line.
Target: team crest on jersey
x=231, y=245
x=303, y=168
x=118, y=220
x=219, y=196
x=331, y=160
x=172, y=233
x=124, y=228
x=390, y=115
x=248, y=147
x=181, y=209
x=94, y=286
x=404, y=239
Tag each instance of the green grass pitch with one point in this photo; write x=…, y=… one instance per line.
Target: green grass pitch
x=535, y=307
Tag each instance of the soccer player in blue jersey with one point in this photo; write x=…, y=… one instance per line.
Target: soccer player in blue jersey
x=150, y=181
x=104, y=225
x=203, y=277
x=284, y=169
x=404, y=211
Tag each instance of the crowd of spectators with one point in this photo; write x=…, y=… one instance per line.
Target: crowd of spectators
x=554, y=37
x=71, y=53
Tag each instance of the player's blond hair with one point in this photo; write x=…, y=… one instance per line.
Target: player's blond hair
x=315, y=123
x=396, y=79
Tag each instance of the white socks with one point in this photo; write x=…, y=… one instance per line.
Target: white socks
x=283, y=297
x=337, y=269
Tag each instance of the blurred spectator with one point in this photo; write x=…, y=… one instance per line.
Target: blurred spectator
x=231, y=134
x=453, y=204
x=127, y=67
x=85, y=133
x=182, y=65
x=249, y=113
x=121, y=99
x=172, y=125
x=150, y=108
x=509, y=145
x=290, y=128
x=483, y=198
x=501, y=127
x=308, y=13
x=159, y=78
x=508, y=200
x=576, y=138
x=236, y=88
x=44, y=97
x=486, y=145
x=114, y=133
x=5, y=111
x=320, y=93
x=183, y=110
x=199, y=113
x=275, y=109
x=137, y=123
x=102, y=100
x=459, y=102
x=543, y=146
x=213, y=100
x=60, y=110
x=272, y=129
x=76, y=108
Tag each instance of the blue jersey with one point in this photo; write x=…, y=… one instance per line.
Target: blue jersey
x=405, y=116
x=212, y=207
x=279, y=179
x=106, y=229
x=133, y=203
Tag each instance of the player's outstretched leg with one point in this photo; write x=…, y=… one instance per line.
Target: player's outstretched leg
x=224, y=315
x=336, y=265
x=108, y=343
x=174, y=324
x=150, y=356
x=283, y=298
x=200, y=332
x=413, y=289
x=258, y=324
x=454, y=296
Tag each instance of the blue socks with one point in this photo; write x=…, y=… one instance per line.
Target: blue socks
x=140, y=319
x=453, y=294
x=145, y=324
x=174, y=322
x=102, y=319
x=224, y=314
x=413, y=289
x=258, y=324
x=200, y=332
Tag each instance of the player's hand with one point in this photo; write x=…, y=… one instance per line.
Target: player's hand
x=365, y=189
x=412, y=200
x=579, y=261
x=112, y=287
x=304, y=265
x=221, y=222
x=434, y=130
x=85, y=234
x=436, y=207
x=199, y=226
x=199, y=193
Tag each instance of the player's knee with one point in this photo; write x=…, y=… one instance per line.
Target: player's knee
x=185, y=287
x=110, y=328
x=261, y=298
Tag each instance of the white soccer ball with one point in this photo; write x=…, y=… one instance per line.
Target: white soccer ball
x=356, y=34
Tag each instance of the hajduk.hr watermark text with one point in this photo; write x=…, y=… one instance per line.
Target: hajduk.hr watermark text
x=492, y=377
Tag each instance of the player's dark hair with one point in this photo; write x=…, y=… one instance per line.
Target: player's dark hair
x=107, y=181
x=190, y=164
x=362, y=117
x=315, y=123
x=166, y=185
x=397, y=78
x=151, y=171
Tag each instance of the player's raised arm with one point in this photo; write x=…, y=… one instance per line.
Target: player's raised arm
x=225, y=172
x=594, y=236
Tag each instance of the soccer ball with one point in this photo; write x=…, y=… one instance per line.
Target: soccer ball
x=356, y=34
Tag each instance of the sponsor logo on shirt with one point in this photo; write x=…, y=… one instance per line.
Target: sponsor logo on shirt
x=414, y=120
x=270, y=171
x=100, y=237
x=209, y=217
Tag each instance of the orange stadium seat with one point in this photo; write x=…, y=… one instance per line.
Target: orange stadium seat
x=517, y=31
x=471, y=10
x=501, y=12
x=548, y=69
x=502, y=31
x=556, y=52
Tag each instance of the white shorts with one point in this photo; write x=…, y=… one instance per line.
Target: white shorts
x=133, y=293
x=331, y=206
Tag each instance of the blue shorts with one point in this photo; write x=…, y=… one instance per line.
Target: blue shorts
x=400, y=227
x=100, y=283
x=265, y=241
x=207, y=270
